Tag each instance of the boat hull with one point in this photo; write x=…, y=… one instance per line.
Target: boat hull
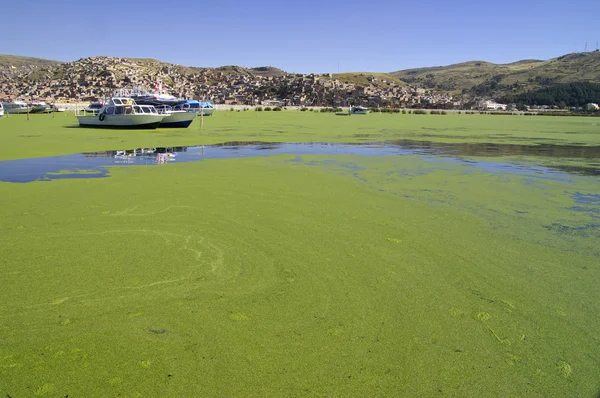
x=206, y=111
x=40, y=109
x=359, y=111
x=202, y=111
x=16, y=111
x=136, y=121
x=180, y=119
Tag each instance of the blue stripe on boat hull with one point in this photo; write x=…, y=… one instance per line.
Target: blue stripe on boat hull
x=181, y=124
x=134, y=127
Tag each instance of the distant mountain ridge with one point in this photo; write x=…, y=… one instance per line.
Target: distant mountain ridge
x=480, y=78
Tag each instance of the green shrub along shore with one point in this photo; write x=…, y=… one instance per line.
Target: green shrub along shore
x=307, y=275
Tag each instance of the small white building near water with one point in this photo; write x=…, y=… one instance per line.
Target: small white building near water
x=271, y=103
x=591, y=107
x=491, y=105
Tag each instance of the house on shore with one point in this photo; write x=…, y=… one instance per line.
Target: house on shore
x=591, y=107
x=491, y=105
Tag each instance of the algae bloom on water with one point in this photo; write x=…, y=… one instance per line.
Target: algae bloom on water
x=302, y=275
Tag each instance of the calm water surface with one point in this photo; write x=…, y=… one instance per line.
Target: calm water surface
x=94, y=164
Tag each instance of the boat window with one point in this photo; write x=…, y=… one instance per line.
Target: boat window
x=117, y=101
x=137, y=109
x=110, y=110
x=118, y=110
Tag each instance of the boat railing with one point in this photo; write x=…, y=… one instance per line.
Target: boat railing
x=86, y=111
x=119, y=109
x=182, y=107
x=163, y=109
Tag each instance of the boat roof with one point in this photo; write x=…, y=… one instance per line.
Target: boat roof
x=203, y=104
x=160, y=96
x=141, y=92
x=122, y=101
x=158, y=102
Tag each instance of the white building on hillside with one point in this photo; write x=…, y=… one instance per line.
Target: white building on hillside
x=491, y=105
x=591, y=107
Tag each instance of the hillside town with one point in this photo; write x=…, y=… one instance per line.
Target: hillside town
x=94, y=78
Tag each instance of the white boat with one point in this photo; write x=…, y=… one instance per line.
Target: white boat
x=161, y=97
x=177, y=112
x=1, y=110
x=39, y=107
x=175, y=117
x=204, y=108
x=94, y=107
x=122, y=113
x=16, y=107
x=358, y=110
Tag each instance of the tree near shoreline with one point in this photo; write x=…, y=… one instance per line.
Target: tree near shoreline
x=561, y=95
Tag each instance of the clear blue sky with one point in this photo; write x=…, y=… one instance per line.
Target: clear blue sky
x=300, y=36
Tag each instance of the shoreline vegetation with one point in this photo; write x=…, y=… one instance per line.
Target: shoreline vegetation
x=74, y=106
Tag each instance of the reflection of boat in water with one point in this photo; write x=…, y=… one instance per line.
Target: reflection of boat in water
x=358, y=110
x=132, y=157
x=123, y=113
x=160, y=155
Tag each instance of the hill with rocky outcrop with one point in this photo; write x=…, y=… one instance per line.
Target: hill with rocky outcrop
x=268, y=71
x=93, y=78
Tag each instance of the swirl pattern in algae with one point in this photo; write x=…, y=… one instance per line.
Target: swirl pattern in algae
x=279, y=276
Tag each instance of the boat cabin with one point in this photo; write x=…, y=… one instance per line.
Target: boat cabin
x=127, y=106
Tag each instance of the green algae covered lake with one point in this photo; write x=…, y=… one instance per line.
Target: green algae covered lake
x=304, y=274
